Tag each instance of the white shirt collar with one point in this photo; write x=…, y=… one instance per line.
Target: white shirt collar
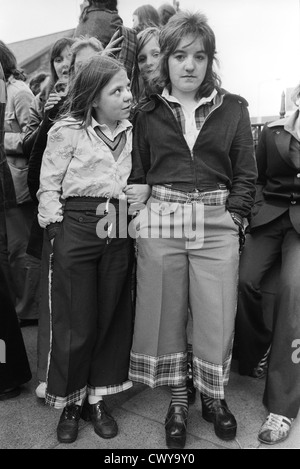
x=122, y=125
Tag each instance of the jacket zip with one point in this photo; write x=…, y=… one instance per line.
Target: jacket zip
x=205, y=120
x=191, y=151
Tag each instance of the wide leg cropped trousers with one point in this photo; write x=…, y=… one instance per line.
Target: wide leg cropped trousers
x=173, y=274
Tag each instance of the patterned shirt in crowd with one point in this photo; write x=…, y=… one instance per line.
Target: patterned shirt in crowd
x=77, y=162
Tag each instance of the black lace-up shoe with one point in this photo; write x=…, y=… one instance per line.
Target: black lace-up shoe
x=217, y=412
x=175, y=425
x=67, y=429
x=104, y=424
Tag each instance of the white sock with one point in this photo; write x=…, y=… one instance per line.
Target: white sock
x=94, y=399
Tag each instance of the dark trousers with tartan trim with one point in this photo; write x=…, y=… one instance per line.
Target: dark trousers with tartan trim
x=92, y=314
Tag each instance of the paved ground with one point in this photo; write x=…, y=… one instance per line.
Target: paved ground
x=25, y=422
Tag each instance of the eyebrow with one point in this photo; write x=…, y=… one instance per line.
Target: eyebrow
x=155, y=49
x=202, y=51
x=120, y=85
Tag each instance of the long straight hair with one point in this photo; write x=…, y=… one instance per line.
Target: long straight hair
x=55, y=52
x=9, y=63
x=143, y=37
x=180, y=25
x=147, y=16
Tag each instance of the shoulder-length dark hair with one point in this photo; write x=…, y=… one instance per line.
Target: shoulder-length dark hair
x=165, y=11
x=87, y=85
x=55, y=52
x=179, y=26
x=147, y=16
x=9, y=63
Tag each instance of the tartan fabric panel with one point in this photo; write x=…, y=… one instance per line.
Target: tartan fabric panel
x=178, y=113
x=171, y=370
x=209, y=378
x=200, y=114
x=108, y=390
x=166, y=370
x=61, y=402
x=127, y=53
x=165, y=194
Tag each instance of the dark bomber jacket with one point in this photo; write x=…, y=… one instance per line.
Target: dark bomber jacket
x=222, y=156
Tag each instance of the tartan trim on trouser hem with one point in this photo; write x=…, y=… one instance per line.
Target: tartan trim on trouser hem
x=61, y=402
x=165, y=370
x=209, y=378
x=107, y=390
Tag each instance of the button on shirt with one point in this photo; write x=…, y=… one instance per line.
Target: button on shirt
x=77, y=162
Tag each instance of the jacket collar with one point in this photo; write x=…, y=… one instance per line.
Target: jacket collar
x=289, y=124
x=155, y=98
x=286, y=128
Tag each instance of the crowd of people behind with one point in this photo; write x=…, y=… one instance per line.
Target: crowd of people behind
x=138, y=224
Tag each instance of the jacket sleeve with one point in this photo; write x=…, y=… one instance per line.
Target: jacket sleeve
x=32, y=128
x=140, y=151
x=261, y=160
x=15, y=129
x=261, y=157
x=35, y=160
x=36, y=155
x=55, y=161
x=244, y=167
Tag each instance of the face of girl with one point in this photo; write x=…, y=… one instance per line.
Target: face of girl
x=114, y=102
x=187, y=67
x=135, y=21
x=82, y=56
x=148, y=58
x=61, y=63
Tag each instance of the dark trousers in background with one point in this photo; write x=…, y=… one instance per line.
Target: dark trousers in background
x=25, y=269
x=262, y=249
x=43, y=343
x=14, y=366
x=4, y=257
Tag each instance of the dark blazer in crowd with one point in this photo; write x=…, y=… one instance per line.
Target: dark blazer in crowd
x=273, y=234
x=278, y=188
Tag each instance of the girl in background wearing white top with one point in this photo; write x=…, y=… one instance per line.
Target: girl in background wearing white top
x=86, y=164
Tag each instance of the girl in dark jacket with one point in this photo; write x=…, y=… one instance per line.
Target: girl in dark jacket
x=193, y=145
